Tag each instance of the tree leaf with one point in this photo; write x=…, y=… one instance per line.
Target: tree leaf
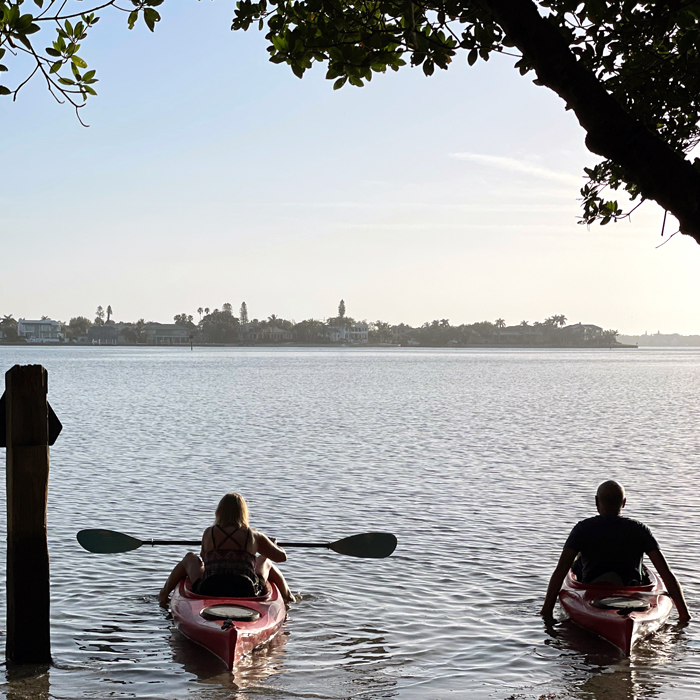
x=151, y=16
x=78, y=61
x=4, y=90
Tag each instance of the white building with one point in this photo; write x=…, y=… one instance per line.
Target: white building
x=358, y=333
x=43, y=331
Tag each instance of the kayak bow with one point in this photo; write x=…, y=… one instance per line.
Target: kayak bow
x=620, y=614
x=228, y=627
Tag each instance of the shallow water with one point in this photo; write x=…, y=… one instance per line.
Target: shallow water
x=479, y=460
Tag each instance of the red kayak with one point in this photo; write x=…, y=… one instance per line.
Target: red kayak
x=620, y=614
x=228, y=627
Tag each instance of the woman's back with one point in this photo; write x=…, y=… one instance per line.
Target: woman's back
x=232, y=538
x=229, y=563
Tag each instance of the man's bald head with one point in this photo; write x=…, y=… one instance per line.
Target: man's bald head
x=610, y=498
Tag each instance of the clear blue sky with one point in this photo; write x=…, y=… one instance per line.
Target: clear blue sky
x=209, y=175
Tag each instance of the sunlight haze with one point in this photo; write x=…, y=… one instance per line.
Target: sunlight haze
x=209, y=175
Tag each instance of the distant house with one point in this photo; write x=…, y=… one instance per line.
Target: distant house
x=103, y=335
x=272, y=334
x=43, y=331
x=582, y=334
x=166, y=334
x=250, y=333
x=357, y=333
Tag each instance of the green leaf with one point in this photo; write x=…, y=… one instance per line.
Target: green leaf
x=56, y=67
x=39, y=3
x=133, y=16
x=4, y=90
x=66, y=81
x=340, y=82
x=53, y=52
x=78, y=62
x=472, y=56
x=3, y=69
x=151, y=16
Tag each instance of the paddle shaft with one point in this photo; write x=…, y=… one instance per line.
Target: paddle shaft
x=369, y=545
x=195, y=543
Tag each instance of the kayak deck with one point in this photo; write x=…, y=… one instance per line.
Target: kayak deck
x=229, y=628
x=622, y=615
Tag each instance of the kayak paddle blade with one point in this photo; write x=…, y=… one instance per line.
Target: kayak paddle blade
x=107, y=541
x=370, y=545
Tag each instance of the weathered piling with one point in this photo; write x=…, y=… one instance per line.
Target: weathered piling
x=27, y=441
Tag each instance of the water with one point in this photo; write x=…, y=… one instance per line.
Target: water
x=479, y=460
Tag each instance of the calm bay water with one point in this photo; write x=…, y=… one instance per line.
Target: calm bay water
x=479, y=460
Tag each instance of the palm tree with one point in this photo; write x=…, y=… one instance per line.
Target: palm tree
x=500, y=323
x=206, y=310
x=524, y=324
x=109, y=312
x=200, y=311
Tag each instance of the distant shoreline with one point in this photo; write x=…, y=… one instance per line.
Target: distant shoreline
x=486, y=346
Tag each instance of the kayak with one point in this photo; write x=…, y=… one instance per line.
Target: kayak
x=230, y=628
x=620, y=614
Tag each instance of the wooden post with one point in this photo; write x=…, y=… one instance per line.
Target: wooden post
x=27, y=435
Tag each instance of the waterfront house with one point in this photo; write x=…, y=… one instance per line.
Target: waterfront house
x=251, y=333
x=582, y=334
x=519, y=335
x=166, y=334
x=103, y=335
x=272, y=334
x=42, y=331
x=357, y=333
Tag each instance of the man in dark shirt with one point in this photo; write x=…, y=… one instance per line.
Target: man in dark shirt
x=611, y=550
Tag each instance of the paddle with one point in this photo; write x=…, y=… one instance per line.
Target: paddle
x=370, y=545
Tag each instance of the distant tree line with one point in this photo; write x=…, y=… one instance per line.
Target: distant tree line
x=221, y=326
x=661, y=340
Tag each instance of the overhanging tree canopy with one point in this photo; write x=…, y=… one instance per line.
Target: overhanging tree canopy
x=629, y=70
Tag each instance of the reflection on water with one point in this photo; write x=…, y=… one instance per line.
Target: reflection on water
x=599, y=671
x=26, y=683
x=480, y=461
x=250, y=673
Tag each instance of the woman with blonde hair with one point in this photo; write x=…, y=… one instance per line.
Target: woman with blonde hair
x=229, y=564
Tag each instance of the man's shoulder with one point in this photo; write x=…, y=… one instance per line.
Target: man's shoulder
x=632, y=523
x=593, y=521
x=606, y=522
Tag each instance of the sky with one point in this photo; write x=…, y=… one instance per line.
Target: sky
x=210, y=175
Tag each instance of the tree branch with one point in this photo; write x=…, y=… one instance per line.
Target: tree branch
x=660, y=173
